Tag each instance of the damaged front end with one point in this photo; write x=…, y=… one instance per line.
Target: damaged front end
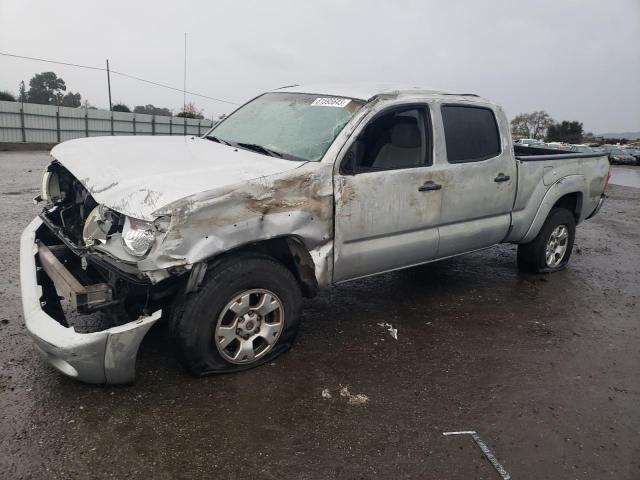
x=104, y=245
x=70, y=273
x=104, y=356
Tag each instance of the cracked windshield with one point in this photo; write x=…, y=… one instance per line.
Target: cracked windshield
x=294, y=126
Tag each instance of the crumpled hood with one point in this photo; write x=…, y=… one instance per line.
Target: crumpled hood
x=138, y=175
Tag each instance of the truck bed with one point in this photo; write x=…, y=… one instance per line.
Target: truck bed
x=546, y=177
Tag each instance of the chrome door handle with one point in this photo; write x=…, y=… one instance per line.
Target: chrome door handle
x=429, y=186
x=501, y=178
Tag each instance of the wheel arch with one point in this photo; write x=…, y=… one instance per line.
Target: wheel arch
x=288, y=250
x=567, y=192
x=572, y=202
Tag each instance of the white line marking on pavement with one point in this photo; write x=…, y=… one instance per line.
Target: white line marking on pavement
x=486, y=450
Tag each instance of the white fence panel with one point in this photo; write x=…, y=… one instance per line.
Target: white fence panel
x=177, y=126
x=162, y=125
x=194, y=127
x=99, y=123
x=122, y=123
x=10, y=126
x=40, y=123
x=144, y=124
x=73, y=123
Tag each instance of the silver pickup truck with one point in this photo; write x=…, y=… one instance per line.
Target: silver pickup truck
x=299, y=189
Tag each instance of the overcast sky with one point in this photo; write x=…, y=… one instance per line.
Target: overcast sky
x=577, y=59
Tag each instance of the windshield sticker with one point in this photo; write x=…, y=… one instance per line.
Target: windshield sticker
x=331, y=102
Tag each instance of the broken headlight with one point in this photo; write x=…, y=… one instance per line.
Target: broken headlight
x=100, y=224
x=137, y=236
x=50, y=187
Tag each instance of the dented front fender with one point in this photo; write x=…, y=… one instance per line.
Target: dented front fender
x=297, y=203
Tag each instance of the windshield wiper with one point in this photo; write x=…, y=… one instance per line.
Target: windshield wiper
x=216, y=139
x=260, y=149
x=255, y=148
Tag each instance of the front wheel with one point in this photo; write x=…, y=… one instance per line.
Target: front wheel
x=245, y=314
x=551, y=249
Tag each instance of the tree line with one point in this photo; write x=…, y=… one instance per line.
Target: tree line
x=540, y=126
x=46, y=88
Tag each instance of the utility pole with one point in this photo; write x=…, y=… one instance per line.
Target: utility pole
x=109, y=85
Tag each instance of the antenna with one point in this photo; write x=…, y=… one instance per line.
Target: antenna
x=184, y=90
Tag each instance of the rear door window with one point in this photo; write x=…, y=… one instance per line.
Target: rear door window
x=471, y=133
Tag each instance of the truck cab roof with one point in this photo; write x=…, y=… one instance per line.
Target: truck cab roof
x=368, y=91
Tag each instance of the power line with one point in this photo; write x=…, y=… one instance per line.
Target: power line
x=51, y=61
x=122, y=74
x=172, y=88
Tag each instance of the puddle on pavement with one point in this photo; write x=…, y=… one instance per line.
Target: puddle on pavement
x=625, y=177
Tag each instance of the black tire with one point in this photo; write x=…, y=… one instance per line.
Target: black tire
x=196, y=315
x=532, y=255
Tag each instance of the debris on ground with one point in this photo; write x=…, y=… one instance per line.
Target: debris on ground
x=392, y=331
x=359, y=399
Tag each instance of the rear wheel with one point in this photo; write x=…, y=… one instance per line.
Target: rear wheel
x=551, y=249
x=245, y=314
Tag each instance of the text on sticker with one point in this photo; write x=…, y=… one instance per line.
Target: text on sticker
x=330, y=102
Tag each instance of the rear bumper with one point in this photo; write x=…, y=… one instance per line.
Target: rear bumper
x=107, y=356
x=603, y=197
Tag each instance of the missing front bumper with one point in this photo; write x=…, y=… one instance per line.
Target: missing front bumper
x=83, y=298
x=107, y=356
